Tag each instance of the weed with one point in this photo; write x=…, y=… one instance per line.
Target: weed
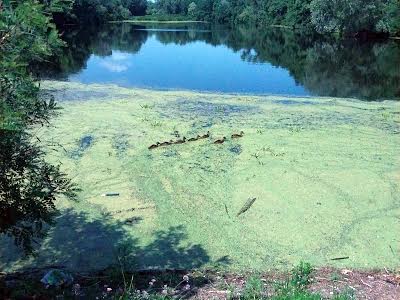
x=301, y=275
x=257, y=157
x=156, y=124
x=295, y=286
x=297, y=295
x=385, y=115
x=347, y=294
x=295, y=129
x=272, y=152
x=260, y=131
x=254, y=289
x=146, y=106
x=231, y=291
x=220, y=108
x=335, y=276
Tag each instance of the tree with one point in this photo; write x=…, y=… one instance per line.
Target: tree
x=348, y=16
x=192, y=9
x=28, y=184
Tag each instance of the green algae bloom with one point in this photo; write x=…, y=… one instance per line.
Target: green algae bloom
x=325, y=173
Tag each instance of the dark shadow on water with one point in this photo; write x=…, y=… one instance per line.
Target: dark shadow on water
x=82, y=244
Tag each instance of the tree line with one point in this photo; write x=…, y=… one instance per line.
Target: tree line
x=343, y=17
x=324, y=16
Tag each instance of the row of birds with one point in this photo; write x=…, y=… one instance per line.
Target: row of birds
x=199, y=137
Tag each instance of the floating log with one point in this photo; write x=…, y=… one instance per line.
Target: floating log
x=246, y=206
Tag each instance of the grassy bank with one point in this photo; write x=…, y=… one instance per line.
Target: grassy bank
x=324, y=174
x=302, y=283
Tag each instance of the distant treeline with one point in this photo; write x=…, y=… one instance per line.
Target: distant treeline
x=100, y=11
x=339, y=16
x=343, y=17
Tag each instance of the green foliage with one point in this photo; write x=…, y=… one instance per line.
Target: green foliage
x=254, y=289
x=347, y=16
x=351, y=16
x=295, y=286
x=172, y=7
x=101, y=11
x=301, y=275
x=28, y=184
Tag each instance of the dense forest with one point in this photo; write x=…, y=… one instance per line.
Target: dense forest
x=340, y=16
x=343, y=17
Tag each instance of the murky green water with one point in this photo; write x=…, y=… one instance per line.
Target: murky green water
x=324, y=172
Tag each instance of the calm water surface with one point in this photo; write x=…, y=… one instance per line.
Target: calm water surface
x=200, y=57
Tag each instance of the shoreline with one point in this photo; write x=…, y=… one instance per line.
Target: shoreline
x=157, y=21
x=46, y=84
x=214, y=284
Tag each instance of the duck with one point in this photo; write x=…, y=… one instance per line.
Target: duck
x=193, y=139
x=167, y=143
x=237, y=135
x=207, y=135
x=220, y=141
x=181, y=141
x=154, y=146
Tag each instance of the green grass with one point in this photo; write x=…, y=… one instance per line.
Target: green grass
x=293, y=288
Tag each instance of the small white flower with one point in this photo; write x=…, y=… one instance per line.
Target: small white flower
x=164, y=290
x=145, y=294
x=186, y=278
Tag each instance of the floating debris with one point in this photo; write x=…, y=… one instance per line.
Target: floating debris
x=246, y=206
x=340, y=258
x=110, y=195
x=226, y=210
x=126, y=210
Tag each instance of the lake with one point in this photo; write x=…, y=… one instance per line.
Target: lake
x=206, y=179
x=206, y=58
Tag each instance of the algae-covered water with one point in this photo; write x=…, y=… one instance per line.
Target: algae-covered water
x=325, y=173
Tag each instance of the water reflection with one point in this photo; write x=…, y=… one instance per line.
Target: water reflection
x=240, y=60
